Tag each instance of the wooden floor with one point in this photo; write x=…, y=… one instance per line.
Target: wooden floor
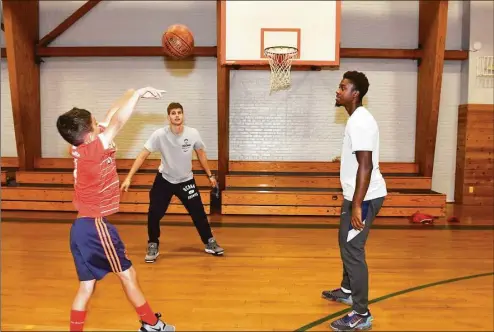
x=271, y=278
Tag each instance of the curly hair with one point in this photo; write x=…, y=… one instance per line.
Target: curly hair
x=359, y=81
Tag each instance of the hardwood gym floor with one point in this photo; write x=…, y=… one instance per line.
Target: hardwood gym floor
x=421, y=278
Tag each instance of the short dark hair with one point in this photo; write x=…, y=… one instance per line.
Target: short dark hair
x=74, y=125
x=173, y=106
x=359, y=81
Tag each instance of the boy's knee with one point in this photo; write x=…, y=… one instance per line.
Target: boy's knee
x=128, y=275
x=87, y=287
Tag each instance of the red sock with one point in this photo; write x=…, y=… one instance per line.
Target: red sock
x=77, y=319
x=146, y=314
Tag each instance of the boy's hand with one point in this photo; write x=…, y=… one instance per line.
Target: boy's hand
x=150, y=92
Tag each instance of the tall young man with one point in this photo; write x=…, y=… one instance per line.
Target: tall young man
x=175, y=177
x=364, y=190
x=95, y=243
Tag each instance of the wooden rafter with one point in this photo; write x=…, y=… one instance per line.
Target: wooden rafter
x=21, y=34
x=68, y=22
x=433, y=19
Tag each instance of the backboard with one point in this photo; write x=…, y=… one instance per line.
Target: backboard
x=248, y=27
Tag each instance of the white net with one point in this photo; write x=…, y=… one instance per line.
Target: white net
x=280, y=60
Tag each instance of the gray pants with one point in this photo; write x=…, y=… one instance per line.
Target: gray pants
x=355, y=273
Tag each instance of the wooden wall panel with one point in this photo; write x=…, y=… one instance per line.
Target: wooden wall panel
x=474, y=183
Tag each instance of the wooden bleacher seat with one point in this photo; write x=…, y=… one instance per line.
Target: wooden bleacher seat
x=313, y=188
x=4, y=177
x=50, y=187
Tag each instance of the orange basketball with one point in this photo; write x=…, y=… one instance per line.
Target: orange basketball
x=178, y=41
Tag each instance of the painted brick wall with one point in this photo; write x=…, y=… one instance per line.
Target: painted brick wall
x=95, y=83
x=7, y=121
x=303, y=124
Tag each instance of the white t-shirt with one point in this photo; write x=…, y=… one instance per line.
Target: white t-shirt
x=176, y=152
x=361, y=134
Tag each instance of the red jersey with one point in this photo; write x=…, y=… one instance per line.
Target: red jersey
x=96, y=183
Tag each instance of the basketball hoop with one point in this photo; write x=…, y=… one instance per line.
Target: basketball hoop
x=280, y=61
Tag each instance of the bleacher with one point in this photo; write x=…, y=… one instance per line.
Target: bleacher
x=252, y=188
x=50, y=187
x=313, y=189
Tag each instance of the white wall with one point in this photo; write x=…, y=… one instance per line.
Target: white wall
x=480, y=89
x=301, y=124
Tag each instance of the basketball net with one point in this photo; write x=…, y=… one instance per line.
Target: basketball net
x=280, y=61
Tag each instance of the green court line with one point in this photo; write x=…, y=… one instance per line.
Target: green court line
x=388, y=296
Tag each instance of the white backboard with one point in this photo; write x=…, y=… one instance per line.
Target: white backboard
x=247, y=27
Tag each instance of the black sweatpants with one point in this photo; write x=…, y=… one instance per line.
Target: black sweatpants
x=160, y=196
x=355, y=272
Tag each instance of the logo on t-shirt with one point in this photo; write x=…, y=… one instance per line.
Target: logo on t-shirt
x=186, y=146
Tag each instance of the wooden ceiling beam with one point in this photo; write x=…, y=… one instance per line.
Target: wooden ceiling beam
x=114, y=51
x=433, y=19
x=21, y=19
x=122, y=51
x=68, y=22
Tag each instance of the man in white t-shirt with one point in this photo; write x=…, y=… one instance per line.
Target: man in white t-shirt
x=364, y=190
x=175, y=177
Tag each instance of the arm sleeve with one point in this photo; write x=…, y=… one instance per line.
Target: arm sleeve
x=199, y=143
x=152, y=143
x=363, y=137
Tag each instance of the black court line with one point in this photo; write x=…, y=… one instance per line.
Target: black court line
x=217, y=224
x=388, y=296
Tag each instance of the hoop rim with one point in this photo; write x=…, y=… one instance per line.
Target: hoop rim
x=289, y=50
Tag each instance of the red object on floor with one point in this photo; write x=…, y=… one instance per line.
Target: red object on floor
x=453, y=219
x=421, y=218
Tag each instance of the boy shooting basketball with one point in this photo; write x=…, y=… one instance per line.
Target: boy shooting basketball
x=175, y=143
x=364, y=190
x=95, y=243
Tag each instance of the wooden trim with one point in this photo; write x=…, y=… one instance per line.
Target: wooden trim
x=68, y=22
x=122, y=164
x=69, y=207
x=67, y=178
x=321, y=198
x=312, y=167
x=21, y=33
x=12, y=162
x=3, y=52
x=115, y=51
x=223, y=97
x=46, y=194
x=433, y=19
x=322, y=211
x=363, y=53
x=318, y=181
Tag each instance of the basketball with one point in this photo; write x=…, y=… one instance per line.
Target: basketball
x=178, y=41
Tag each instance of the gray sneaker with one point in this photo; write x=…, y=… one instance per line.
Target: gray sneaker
x=213, y=248
x=152, y=253
x=338, y=295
